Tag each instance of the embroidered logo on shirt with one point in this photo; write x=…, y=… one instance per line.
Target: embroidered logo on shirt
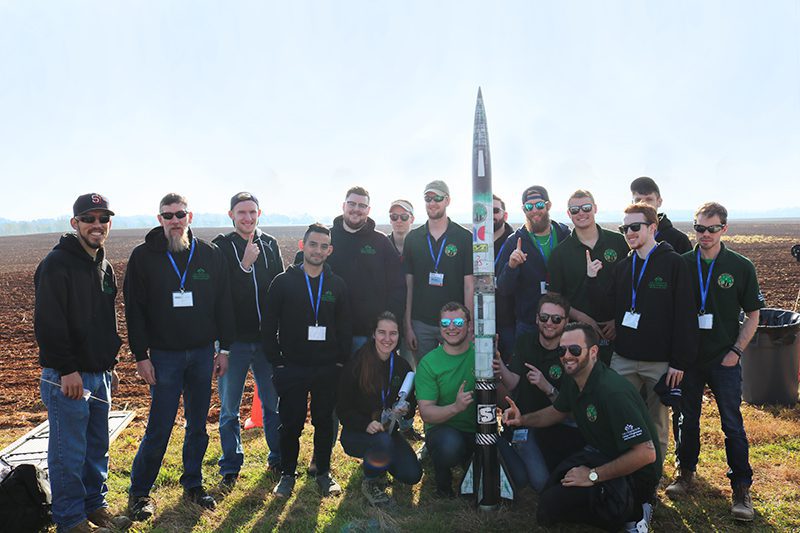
x=631, y=432
x=725, y=280
x=201, y=275
x=328, y=296
x=450, y=250
x=658, y=283
x=555, y=371
x=591, y=412
x=368, y=250
x=610, y=255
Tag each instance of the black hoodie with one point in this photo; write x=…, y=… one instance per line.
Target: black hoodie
x=289, y=314
x=667, y=330
x=249, y=289
x=74, y=317
x=669, y=233
x=151, y=280
x=370, y=266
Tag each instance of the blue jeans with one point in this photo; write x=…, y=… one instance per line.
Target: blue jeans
x=244, y=356
x=77, y=448
x=382, y=452
x=186, y=373
x=448, y=447
x=524, y=460
x=726, y=384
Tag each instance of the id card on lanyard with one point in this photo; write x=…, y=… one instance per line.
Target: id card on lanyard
x=315, y=332
x=436, y=278
x=543, y=283
x=182, y=297
x=704, y=321
x=631, y=318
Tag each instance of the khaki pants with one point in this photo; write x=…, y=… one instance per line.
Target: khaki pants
x=647, y=373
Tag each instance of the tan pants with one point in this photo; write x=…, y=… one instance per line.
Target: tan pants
x=647, y=373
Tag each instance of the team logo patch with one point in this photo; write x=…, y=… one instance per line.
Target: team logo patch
x=450, y=250
x=610, y=255
x=591, y=413
x=658, y=283
x=555, y=371
x=328, y=296
x=201, y=275
x=368, y=250
x=631, y=432
x=725, y=280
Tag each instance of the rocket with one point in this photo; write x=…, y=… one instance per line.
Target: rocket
x=486, y=477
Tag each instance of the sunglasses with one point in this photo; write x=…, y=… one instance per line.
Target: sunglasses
x=180, y=214
x=573, y=349
x=437, y=198
x=353, y=205
x=716, y=228
x=89, y=219
x=457, y=322
x=396, y=216
x=575, y=209
x=528, y=206
x=497, y=210
x=636, y=226
x=555, y=319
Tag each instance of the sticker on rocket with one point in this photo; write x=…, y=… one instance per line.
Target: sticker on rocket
x=486, y=414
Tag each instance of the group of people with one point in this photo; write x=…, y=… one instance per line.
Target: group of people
x=598, y=332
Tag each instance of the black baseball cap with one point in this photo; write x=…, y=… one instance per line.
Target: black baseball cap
x=90, y=202
x=535, y=191
x=243, y=197
x=671, y=397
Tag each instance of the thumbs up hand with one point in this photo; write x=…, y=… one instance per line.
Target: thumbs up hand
x=517, y=257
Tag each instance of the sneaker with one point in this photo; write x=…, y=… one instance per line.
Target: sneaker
x=102, y=518
x=86, y=527
x=140, y=508
x=374, y=493
x=227, y=482
x=682, y=484
x=327, y=485
x=312, y=467
x=742, y=508
x=643, y=525
x=411, y=435
x=198, y=495
x=284, y=487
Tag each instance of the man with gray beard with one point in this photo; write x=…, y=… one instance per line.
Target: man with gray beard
x=177, y=305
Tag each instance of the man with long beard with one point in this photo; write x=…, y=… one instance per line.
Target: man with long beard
x=177, y=305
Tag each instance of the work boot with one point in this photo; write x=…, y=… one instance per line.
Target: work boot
x=140, y=508
x=373, y=491
x=327, y=485
x=682, y=484
x=199, y=496
x=102, y=518
x=742, y=508
x=227, y=482
x=284, y=487
x=86, y=527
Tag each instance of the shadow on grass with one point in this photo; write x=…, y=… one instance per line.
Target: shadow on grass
x=250, y=503
x=187, y=515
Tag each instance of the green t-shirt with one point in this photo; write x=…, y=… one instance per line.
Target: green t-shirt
x=612, y=417
x=454, y=264
x=733, y=287
x=529, y=397
x=545, y=243
x=438, y=378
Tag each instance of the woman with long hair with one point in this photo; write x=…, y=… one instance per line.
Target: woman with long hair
x=369, y=386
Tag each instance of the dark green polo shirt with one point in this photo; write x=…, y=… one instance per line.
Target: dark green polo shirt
x=612, y=417
x=455, y=263
x=733, y=287
x=567, y=266
x=529, y=397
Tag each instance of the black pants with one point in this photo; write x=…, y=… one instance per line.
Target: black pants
x=293, y=385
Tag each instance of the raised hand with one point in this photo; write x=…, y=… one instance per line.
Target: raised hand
x=251, y=251
x=592, y=267
x=512, y=416
x=463, y=399
x=517, y=257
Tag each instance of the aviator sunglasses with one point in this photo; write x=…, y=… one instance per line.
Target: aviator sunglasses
x=714, y=228
x=180, y=214
x=89, y=219
x=457, y=322
x=436, y=198
x=574, y=349
x=528, y=206
x=635, y=226
x=397, y=216
x=555, y=319
x=575, y=209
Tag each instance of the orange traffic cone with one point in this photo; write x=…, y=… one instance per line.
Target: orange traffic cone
x=256, y=419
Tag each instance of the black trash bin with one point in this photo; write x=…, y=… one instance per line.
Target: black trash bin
x=771, y=361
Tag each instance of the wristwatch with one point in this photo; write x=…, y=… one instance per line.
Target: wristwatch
x=593, y=477
x=224, y=352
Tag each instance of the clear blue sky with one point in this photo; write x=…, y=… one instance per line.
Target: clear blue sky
x=297, y=101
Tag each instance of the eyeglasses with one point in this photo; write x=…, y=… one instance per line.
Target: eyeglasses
x=715, y=228
x=528, y=206
x=437, y=198
x=180, y=214
x=353, y=205
x=573, y=349
x=497, y=210
x=575, y=209
x=457, y=322
x=397, y=216
x=635, y=226
x=89, y=219
x=555, y=319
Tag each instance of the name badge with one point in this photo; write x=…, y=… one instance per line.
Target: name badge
x=543, y=287
x=631, y=320
x=182, y=299
x=316, y=333
x=705, y=321
x=436, y=279
x=519, y=436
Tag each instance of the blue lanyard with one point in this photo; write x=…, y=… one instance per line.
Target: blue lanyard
x=500, y=253
x=635, y=287
x=438, y=257
x=539, y=246
x=385, y=392
x=314, y=307
x=182, y=277
x=704, y=288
